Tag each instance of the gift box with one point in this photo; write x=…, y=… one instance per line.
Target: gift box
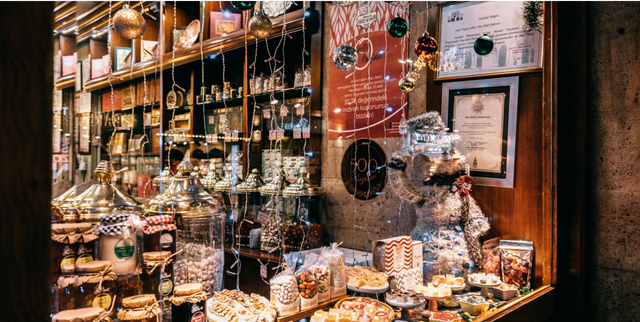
x=416, y=250
x=408, y=279
x=393, y=255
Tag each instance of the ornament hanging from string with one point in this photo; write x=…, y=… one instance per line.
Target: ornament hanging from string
x=243, y=5
x=426, y=46
x=407, y=84
x=129, y=23
x=345, y=58
x=260, y=25
x=398, y=27
x=483, y=45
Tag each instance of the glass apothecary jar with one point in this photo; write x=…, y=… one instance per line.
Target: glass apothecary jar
x=303, y=205
x=272, y=208
x=96, y=284
x=104, y=198
x=143, y=308
x=226, y=188
x=199, y=218
x=161, y=182
x=249, y=204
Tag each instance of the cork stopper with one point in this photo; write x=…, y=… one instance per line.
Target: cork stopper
x=187, y=289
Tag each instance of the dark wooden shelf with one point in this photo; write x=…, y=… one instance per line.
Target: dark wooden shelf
x=66, y=81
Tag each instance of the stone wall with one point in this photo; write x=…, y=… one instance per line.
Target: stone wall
x=613, y=160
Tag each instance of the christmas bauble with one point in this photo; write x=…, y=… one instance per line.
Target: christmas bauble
x=426, y=46
x=407, y=84
x=243, y=5
x=483, y=45
x=397, y=27
x=276, y=8
x=129, y=23
x=345, y=58
x=464, y=186
x=260, y=25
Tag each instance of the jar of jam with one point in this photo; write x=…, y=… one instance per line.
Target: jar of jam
x=188, y=303
x=160, y=234
x=96, y=285
x=93, y=314
x=156, y=277
x=67, y=289
x=73, y=243
x=143, y=308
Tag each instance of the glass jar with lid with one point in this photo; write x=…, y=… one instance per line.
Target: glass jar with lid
x=226, y=188
x=249, y=205
x=199, y=218
x=120, y=242
x=156, y=276
x=143, y=308
x=72, y=244
x=303, y=202
x=96, y=285
x=273, y=209
x=188, y=303
x=66, y=288
x=161, y=182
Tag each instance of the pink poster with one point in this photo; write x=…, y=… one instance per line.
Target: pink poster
x=373, y=107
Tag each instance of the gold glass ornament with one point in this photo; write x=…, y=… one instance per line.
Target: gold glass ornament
x=407, y=84
x=260, y=25
x=129, y=23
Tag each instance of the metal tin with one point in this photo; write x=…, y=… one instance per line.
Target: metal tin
x=104, y=198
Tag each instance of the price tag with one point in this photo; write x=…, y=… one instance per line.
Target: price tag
x=306, y=133
x=223, y=118
x=297, y=133
x=257, y=135
x=212, y=119
x=234, y=136
x=284, y=111
x=263, y=218
x=300, y=110
x=227, y=136
x=266, y=113
x=263, y=271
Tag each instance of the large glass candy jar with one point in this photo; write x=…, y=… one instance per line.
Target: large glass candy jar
x=200, y=236
x=273, y=208
x=303, y=205
x=226, y=188
x=248, y=207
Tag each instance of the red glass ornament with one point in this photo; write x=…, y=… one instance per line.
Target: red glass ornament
x=426, y=46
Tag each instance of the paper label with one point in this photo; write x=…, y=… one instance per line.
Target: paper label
x=284, y=111
x=212, y=119
x=297, y=133
x=166, y=286
x=366, y=16
x=102, y=300
x=198, y=317
x=166, y=240
x=338, y=291
x=300, y=110
x=322, y=297
x=262, y=218
x=308, y=303
x=266, y=113
x=85, y=258
x=124, y=248
x=263, y=271
x=68, y=260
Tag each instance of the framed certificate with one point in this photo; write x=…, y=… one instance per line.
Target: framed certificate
x=514, y=49
x=484, y=114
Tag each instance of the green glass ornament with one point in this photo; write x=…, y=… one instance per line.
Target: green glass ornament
x=483, y=45
x=397, y=27
x=243, y=5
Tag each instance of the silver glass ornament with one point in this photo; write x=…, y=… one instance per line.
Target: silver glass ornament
x=345, y=58
x=276, y=8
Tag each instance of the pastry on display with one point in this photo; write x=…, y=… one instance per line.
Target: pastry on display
x=232, y=306
x=404, y=298
x=366, y=277
x=448, y=279
x=445, y=316
x=433, y=291
x=483, y=278
x=473, y=304
x=357, y=309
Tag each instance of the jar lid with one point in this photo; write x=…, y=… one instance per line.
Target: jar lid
x=69, y=269
x=70, y=227
x=138, y=301
x=185, y=195
x=252, y=184
x=303, y=187
x=230, y=181
x=276, y=186
x=92, y=267
x=187, y=289
x=104, y=197
x=155, y=256
x=84, y=314
x=210, y=180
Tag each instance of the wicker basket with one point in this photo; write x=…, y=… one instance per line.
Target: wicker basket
x=382, y=304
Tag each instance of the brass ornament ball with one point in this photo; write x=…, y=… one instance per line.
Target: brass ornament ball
x=426, y=46
x=129, y=23
x=407, y=84
x=260, y=25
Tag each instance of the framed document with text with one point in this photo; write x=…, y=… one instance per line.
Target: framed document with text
x=484, y=114
x=515, y=49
